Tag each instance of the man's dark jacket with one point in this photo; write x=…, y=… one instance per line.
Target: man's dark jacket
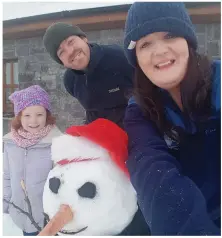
x=103, y=87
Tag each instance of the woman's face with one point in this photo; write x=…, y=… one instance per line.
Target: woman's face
x=163, y=58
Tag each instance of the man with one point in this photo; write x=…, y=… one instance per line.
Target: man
x=99, y=76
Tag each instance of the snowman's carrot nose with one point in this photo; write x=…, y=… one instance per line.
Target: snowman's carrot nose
x=61, y=218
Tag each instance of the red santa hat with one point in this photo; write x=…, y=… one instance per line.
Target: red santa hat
x=106, y=134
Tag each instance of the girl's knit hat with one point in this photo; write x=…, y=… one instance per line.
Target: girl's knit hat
x=33, y=95
x=148, y=17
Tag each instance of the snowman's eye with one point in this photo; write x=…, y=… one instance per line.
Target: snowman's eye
x=88, y=190
x=54, y=184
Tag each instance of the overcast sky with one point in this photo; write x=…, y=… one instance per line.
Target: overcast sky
x=24, y=9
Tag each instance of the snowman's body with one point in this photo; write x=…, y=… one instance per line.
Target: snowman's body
x=100, y=195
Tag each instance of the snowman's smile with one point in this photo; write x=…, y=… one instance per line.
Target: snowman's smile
x=73, y=232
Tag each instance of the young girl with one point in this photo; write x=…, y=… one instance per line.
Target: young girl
x=27, y=157
x=173, y=122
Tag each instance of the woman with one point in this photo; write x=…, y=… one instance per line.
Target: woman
x=173, y=122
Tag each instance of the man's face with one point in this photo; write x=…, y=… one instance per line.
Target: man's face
x=74, y=53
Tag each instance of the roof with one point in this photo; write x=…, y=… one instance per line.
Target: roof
x=99, y=18
x=68, y=14
x=87, y=12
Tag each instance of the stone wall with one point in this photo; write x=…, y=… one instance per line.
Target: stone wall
x=36, y=67
x=209, y=39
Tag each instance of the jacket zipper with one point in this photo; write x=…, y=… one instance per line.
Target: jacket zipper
x=24, y=179
x=86, y=80
x=25, y=165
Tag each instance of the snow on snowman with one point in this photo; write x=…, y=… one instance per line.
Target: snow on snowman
x=88, y=192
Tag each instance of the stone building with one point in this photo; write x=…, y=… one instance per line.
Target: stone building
x=25, y=61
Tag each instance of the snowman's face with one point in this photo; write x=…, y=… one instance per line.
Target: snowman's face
x=100, y=195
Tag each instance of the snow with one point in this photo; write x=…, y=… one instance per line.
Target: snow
x=9, y=228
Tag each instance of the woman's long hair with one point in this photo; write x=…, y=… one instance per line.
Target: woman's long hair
x=195, y=91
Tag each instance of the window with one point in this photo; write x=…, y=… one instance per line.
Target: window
x=10, y=83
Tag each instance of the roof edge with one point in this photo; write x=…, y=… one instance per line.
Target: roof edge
x=88, y=12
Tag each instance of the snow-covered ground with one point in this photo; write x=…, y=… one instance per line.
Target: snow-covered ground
x=9, y=228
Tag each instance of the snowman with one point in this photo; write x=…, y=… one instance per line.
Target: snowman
x=88, y=192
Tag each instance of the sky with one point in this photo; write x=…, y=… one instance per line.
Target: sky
x=13, y=10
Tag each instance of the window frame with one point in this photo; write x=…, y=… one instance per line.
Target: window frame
x=12, y=86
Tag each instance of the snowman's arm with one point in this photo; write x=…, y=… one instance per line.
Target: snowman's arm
x=170, y=202
x=7, y=191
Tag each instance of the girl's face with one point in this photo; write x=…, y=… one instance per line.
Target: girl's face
x=33, y=118
x=163, y=58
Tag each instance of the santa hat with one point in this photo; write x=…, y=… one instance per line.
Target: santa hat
x=106, y=134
